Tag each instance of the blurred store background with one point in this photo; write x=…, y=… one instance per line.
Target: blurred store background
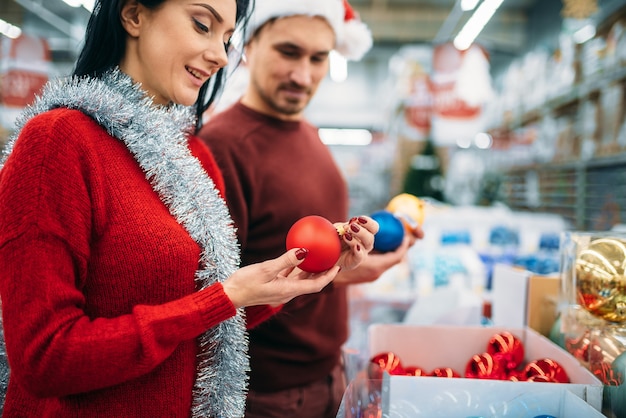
x=506, y=118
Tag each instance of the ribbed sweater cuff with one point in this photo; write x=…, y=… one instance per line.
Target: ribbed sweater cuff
x=255, y=315
x=214, y=305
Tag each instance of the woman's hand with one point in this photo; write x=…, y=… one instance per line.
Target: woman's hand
x=357, y=240
x=275, y=282
x=377, y=263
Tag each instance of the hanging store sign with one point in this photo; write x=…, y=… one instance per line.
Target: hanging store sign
x=24, y=69
x=461, y=84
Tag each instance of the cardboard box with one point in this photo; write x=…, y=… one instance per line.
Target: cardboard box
x=521, y=299
x=430, y=347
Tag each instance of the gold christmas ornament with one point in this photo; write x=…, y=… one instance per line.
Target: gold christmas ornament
x=579, y=9
x=408, y=208
x=600, y=279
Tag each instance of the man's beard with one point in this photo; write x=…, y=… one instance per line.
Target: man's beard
x=285, y=107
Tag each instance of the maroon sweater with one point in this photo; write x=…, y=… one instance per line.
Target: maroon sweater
x=277, y=172
x=100, y=306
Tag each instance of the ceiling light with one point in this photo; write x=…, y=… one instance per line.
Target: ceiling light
x=73, y=3
x=345, y=136
x=87, y=4
x=476, y=23
x=9, y=30
x=338, y=67
x=483, y=140
x=585, y=33
x=467, y=5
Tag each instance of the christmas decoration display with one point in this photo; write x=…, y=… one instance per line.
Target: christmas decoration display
x=444, y=372
x=508, y=348
x=600, y=279
x=592, y=322
x=409, y=208
x=385, y=362
x=486, y=366
x=502, y=360
x=390, y=231
x=415, y=371
x=402, y=215
x=320, y=237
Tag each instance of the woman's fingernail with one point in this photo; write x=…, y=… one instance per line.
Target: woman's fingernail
x=301, y=253
x=358, y=247
x=348, y=236
x=362, y=220
x=354, y=228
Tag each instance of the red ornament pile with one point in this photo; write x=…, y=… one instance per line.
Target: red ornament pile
x=503, y=359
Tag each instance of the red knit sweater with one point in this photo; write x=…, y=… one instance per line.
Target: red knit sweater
x=99, y=303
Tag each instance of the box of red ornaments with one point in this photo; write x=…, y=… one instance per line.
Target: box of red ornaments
x=487, y=371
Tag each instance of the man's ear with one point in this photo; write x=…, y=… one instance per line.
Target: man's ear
x=129, y=16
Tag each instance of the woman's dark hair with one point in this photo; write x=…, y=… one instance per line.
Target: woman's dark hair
x=105, y=45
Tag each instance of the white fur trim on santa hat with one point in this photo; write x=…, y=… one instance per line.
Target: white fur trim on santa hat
x=356, y=41
x=353, y=37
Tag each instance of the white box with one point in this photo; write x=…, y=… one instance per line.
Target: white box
x=520, y=298
x=430, y=347
x=473, y=398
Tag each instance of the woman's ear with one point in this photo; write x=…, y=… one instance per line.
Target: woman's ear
x=130, y=17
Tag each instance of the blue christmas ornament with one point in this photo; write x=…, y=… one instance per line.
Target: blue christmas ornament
x=390, y=231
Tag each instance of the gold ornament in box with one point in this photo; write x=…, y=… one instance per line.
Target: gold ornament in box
x=601, y=280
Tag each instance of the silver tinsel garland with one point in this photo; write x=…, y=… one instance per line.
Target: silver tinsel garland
x=155, y=135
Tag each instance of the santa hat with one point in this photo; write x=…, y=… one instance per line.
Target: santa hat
x=354, y=38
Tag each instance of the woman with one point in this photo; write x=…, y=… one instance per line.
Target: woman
x=119, y=281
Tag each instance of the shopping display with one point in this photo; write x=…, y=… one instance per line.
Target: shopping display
x=515, y=295
x=592, y=323
x=502, y=360
x=402, y=215
x=390, y=231
x=409, y=209
x=320, y=237
x=601, y=280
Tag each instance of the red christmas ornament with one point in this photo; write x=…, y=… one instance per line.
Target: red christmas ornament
x=415, y=371
x=545, y=370
x=445, y=372
x=514, y=376
x=485, y=366
x=372, y=411
x=508, y=347
x=320, y=237
x=540, y=378
x=382, y=362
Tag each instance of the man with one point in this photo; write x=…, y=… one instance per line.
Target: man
x=277, y=171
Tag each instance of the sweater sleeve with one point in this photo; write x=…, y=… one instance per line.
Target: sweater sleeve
x=55, y=347
x=256, y=315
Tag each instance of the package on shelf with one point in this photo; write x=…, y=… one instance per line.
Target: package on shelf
x=589, y=128
x=430, y=347
x=520, y=298
x=561, y=74
x=535, y=76
x=611, y=110
x=591, y=57
x=568, y=141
